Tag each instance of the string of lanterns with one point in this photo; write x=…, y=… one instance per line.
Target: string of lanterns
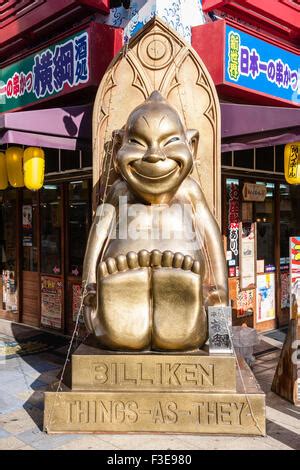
x=20, y=168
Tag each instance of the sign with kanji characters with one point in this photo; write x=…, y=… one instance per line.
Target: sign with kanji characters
x=292, y=163
x=74, y=62
x=45, y=73
x=258, y=65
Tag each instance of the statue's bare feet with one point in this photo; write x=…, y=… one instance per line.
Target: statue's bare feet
x=151, y=301
x=124, y=302
x=179, y=320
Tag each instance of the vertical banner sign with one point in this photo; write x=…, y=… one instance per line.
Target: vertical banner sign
x=295, y=276
x=265, y=297
x=247, y=255
x=51, y=299
x=254, y=64
x=233, y=228
x=292, y=163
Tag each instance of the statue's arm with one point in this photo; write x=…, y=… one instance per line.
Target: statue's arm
x=215, y=279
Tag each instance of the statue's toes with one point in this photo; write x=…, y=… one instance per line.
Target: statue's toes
x=179, y=319
x=124, y=303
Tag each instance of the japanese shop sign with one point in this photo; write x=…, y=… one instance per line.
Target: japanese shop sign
x=233, y=227
x=254, y=192
x=60, y=67
x=292, y=163
x=258, y=65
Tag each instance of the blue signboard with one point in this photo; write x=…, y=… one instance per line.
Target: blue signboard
x=257, y=65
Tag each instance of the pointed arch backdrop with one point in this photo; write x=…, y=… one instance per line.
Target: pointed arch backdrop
x=158, y=59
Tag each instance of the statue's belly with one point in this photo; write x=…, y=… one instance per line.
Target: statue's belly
x=156, y=229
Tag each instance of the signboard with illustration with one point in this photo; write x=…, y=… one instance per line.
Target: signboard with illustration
x=51, y=300
x=265, y=297
x=295, y=276
x=258, y=65
x=46, y=73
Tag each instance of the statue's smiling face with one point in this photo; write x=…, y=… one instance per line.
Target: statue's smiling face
x=155, y=155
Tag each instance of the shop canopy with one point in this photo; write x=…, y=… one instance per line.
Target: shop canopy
x=65, y=128
x=243, y=126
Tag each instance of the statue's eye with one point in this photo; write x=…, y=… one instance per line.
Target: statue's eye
x=173, y=139
x=135, y=141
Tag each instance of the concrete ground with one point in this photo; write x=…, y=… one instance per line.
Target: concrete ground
x=31, y=359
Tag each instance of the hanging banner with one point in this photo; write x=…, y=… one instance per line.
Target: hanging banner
x=247, y=255
x=27, y=225
x=295, y=276
x=233, y=229
x=51, y=300
x=265, y=297
x=292, y=163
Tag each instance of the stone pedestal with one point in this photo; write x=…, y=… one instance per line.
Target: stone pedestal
x=158, y=393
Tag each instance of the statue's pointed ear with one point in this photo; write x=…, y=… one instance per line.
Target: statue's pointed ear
x=117, y=139
x=193, y=140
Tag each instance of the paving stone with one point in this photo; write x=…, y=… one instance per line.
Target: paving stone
x=10, y=443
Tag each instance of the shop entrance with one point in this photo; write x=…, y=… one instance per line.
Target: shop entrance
x=262, y=200
x=44, y=235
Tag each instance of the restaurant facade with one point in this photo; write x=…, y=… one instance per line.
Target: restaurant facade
x=47, y=90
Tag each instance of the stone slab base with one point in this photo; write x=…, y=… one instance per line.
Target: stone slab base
x=123, y=412
x=192, y=393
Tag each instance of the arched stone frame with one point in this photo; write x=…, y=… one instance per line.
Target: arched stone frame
x=158, y=59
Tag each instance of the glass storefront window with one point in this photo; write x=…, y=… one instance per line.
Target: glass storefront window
x=265, y=218
x=79, y=215
x=289, y=216
x=8, y=221
x=29, y=230
x=51, y=229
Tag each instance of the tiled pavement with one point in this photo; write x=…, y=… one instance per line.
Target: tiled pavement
x=23, y=379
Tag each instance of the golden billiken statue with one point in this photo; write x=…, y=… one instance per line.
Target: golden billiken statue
x=151, y=292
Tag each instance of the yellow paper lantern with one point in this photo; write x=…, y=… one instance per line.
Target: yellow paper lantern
x=292, y=163
x=3, y=172
x=14, y=165
x=34, y=168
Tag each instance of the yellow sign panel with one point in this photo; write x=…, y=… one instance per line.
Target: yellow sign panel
x=292, y=163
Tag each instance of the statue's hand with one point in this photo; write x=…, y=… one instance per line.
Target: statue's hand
x=217, y=298
x=90, y=295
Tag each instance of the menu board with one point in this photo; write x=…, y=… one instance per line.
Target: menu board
x=51, y=299
x=247, y=255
